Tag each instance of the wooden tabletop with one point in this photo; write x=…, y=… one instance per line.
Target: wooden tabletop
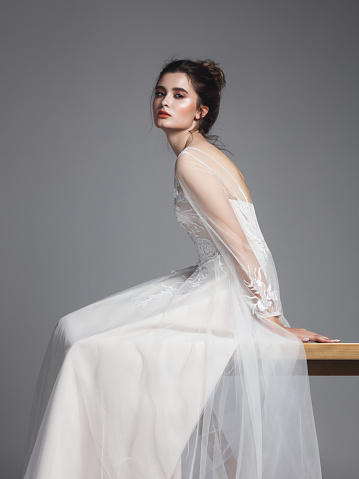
x=338, y=351
x=332, y=359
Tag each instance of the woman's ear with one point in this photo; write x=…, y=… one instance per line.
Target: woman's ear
x=202, y=112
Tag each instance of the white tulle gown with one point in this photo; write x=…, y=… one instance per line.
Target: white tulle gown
x=183, y=376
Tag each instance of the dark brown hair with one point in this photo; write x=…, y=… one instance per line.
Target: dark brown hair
x=207, y=80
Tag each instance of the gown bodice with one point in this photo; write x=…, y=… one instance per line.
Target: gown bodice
x=191, y=221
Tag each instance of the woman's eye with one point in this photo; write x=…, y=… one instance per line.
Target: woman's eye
x=176, y=95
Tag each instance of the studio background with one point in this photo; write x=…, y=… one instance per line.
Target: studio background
x=86, y=181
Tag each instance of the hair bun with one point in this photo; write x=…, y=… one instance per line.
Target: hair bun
x=217, y=72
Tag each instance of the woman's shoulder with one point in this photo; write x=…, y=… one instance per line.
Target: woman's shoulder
x=217, y=155
x=222, y=160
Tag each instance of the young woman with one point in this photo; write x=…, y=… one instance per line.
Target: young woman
x=196, y=374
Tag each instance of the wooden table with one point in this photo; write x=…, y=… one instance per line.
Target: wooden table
x=332, y=359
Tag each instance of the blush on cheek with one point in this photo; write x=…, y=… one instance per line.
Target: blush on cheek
x=186, y=108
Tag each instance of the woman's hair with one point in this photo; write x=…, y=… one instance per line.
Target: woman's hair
x=207, y=80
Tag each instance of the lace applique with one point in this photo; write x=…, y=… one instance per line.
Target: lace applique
x=184, y=219
x=206, y=249
x=197, y=278
x=271, y=297
x=154, y=298
x=187, y=218
x=178, y=194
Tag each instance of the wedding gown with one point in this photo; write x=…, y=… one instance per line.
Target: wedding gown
x=183, y=376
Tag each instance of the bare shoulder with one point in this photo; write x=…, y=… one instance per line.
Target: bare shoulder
x=227, y=163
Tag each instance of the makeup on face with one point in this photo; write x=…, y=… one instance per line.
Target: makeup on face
x=174, y=101
x=163, y=114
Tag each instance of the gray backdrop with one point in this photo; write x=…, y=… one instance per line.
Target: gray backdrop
x=86, y=183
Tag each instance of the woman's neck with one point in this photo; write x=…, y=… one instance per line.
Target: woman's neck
x=179, y=140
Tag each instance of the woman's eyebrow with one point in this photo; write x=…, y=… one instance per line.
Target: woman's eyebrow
x=176, y=88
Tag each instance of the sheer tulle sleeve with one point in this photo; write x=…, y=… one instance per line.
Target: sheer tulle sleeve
x=224, y=209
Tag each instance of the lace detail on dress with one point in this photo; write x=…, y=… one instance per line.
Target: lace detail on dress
x=206, y=249
x=196, y=279
x=271, y=297
x=166, y=292
x=188, y=218
x=154, y=298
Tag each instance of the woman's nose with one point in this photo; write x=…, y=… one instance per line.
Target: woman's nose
x=165, y=101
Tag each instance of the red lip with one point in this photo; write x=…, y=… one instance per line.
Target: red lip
x=163, y=113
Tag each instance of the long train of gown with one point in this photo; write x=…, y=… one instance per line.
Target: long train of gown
x=183, y=376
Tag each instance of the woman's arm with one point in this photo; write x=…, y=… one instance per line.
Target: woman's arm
x=209, y=197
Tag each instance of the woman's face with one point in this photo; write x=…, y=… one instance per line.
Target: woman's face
x=175, y=96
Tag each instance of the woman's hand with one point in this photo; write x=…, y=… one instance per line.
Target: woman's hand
x=305, y=336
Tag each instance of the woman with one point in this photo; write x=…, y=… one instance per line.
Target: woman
x=196, y=374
